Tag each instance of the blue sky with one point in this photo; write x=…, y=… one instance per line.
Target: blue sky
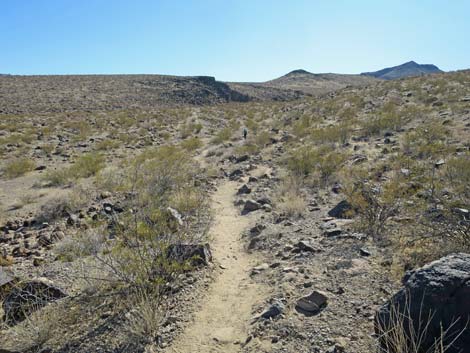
x=244, y=40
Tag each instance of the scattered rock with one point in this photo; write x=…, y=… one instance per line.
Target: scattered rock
x=312, y=304
x=244, y=190
x=257, y=229
x=197, y=254
x=175, y=215
x=259, y=268
x=341, y=210
x=276, y=309
x=243, y=158
x=304, y=245
x=6, y=281
x=236, y=174
x=333, y=232
x=250, y=206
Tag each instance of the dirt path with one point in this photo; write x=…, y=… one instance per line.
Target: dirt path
x=222, y=321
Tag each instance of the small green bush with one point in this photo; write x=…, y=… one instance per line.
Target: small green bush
x=18, y=167
x=192, y=144
x=223, y=135
x=87, y=165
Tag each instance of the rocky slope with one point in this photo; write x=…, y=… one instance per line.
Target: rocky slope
x=311, y=84
x=48, y=94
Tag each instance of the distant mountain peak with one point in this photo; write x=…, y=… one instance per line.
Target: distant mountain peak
x=299, y=72
x=410, y=68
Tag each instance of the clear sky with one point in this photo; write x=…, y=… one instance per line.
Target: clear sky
x=233, y=40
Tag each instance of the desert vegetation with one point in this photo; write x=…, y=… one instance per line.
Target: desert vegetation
x=331, y=197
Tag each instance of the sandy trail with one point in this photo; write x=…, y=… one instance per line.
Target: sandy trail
x=221, y=323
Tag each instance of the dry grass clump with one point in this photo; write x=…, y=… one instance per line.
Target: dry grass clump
x=80, y=245
x=18, y=167
x=401, y=334
x=289, y=198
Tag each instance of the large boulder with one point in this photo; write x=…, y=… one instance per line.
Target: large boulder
x=28, y=296
x=436, y=295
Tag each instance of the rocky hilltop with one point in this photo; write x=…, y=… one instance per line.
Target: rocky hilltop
x=407, y=69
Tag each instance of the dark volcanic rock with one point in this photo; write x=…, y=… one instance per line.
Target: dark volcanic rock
x=28, y=296
x=197, y=254
x=244, y=190
x=312, y=304
x=250, y=206
x=341, y=210
x=439, y=293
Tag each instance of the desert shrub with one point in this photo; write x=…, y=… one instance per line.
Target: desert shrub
x=18, y=167
x=191, y=144
x=289, y=198
x=322, y=162
x=34, y=333
x=84, y=167
x=338, y=133
x=223, y=135
x=57, y=177
x=47, y=148
x=87, y=165
x=112, y=179
x=189, y=129
x=80, y=129
x=262, y=139
x=61, y=206
x=159, y=178
x=381, y=123
x=107, y=145
x=247, y=148
x=374, y=204
x=252, y=125
x=80, y=245
x=302, y=126
x=427, y=141
x=457, y=174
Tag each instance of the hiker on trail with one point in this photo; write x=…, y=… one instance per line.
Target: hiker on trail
x=245, y=132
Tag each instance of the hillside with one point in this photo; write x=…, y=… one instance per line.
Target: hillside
x=304, y=82
x=407, y=69
x=161, y=229
x=46, y=94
